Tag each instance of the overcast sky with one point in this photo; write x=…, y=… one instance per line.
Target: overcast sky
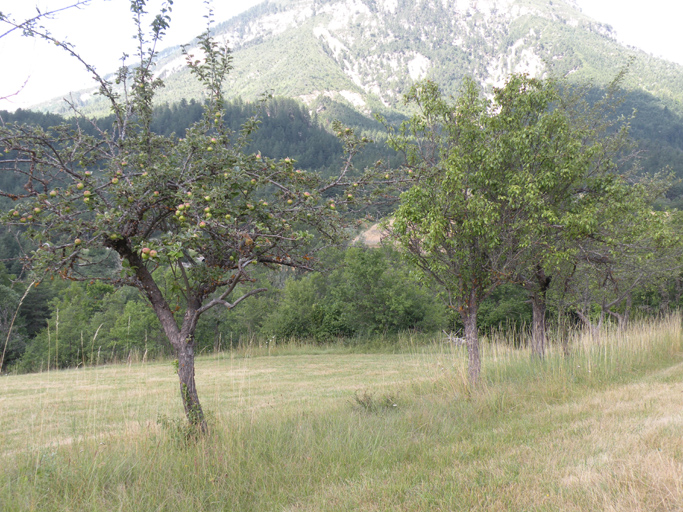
x=101, y=31
x=103, y=28
x=651, y=25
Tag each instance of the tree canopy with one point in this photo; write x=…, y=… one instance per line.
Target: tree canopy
x=183, y=219
x=510, y=189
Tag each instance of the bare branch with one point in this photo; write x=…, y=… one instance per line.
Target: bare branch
x=216, y=302
x=27, y=25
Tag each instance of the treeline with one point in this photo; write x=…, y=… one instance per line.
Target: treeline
x=86, y=312
x=366, y=294
x=286, y=129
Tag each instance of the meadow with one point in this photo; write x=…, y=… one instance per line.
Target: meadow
x=321, y=428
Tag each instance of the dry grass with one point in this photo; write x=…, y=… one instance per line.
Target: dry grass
x=599, y=430
x=54, y=408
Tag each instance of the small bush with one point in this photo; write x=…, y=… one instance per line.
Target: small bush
x=368, y=402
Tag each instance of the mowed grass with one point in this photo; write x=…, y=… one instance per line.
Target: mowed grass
x=331, y=431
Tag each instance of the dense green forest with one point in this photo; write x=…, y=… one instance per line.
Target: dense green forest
x=364, y=293
x=286, y=129
x=368, y=295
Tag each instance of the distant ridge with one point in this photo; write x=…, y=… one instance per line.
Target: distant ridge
x=345, y=56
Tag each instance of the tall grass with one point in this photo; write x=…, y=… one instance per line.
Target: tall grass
x=598, y=429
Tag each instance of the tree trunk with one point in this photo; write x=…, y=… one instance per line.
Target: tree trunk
x=182, y=339
x=188, y=388
x=594, y=328
x=622, y=319
x=469, y=318
x=664, y=292
x=538, y=307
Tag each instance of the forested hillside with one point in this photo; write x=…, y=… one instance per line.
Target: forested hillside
x=120, y=319
x=365, y=54
x=348, y=60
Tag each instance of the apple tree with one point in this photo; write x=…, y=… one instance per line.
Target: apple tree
x=463, y=221
x=512, y=189
x=567, y=157
x=130, y=207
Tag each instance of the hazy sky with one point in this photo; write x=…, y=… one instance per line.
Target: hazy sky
x=101, y=32
x=651, y=25
x=103, y=28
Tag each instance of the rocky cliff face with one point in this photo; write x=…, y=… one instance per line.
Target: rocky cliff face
x=375, y=49
x=363, y=55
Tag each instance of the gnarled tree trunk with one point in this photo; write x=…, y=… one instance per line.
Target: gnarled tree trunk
x=188, y=387
x=593, y=327
x=182, y=339
x=622, y=318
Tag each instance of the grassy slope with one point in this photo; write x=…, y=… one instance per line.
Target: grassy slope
x=597, y=431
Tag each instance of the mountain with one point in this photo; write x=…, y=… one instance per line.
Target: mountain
x=364, y=54
x=348, y=59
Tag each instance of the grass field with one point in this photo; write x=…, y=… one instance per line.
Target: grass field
x=314, y=429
